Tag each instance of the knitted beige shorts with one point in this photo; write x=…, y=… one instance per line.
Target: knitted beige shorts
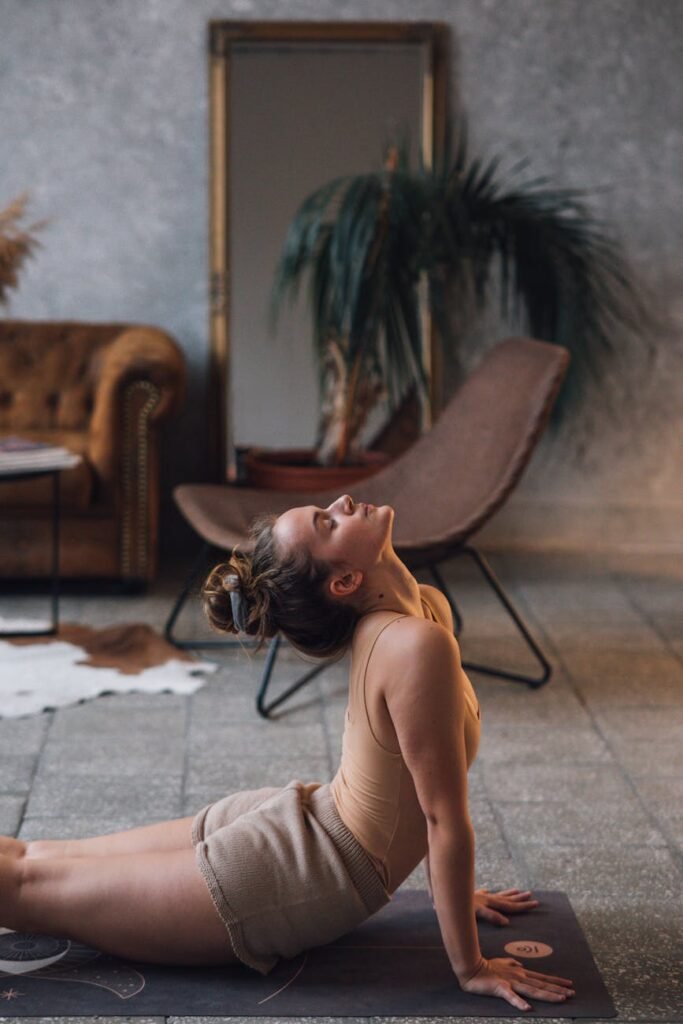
x=284, y=872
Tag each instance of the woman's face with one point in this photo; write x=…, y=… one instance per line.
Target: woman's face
x=344, y=533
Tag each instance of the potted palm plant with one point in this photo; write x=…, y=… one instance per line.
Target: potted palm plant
x=369, y=241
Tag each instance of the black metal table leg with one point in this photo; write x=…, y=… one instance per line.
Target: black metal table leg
x=56, y=516
x=54, y=582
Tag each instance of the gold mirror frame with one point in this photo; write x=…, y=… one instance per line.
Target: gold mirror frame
x=222, y=36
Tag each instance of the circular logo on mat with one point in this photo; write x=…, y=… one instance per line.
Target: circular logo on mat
x=528, y=948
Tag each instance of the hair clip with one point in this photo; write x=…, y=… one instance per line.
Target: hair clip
x=237, y=605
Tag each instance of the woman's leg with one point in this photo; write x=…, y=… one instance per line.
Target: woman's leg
x=10, y=847
x=151, y=907
x=162, y=836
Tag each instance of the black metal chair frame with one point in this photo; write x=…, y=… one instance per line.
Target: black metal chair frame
x=265, y=709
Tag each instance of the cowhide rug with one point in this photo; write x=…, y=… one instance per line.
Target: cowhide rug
x=80, y=662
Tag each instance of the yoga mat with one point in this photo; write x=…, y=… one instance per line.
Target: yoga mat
x=393, y=965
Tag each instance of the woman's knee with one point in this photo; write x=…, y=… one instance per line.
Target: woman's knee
x=11, y=847
x=11, y=883
x=42, y=848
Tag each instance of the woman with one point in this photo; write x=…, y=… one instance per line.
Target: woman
x=269, y=872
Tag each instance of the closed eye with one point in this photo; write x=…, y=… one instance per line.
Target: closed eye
x=320, y=517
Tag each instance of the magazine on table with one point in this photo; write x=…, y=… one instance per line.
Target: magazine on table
x=19, y=454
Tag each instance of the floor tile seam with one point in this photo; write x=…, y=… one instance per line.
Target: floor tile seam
x=547, y=638
x=322, y=722
x=568, y=844
x=675, y=852
x=648, y=1019
x=510, y=845
x=51, y=715
x=330, y=741
x=189, y=705
x=514, y=763
x=650, y=706
x=113, y=776
x=551, y=802
x=677, y=855
x=647, y=618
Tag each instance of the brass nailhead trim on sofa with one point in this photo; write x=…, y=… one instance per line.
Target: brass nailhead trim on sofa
x=140, y=441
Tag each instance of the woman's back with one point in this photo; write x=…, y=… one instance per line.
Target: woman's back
x=373, y=789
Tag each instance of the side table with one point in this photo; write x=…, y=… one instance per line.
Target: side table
x=56, y=509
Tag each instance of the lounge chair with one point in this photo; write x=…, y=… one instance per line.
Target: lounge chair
x=443, y=488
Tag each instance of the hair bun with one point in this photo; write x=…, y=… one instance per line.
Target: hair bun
x=233, y=600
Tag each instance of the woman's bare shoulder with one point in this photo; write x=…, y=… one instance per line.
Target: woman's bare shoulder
x=424, y=699
x=439, y=602
x=412, y=642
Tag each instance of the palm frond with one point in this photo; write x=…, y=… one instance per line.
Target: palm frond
x=369, y=239
x=301, y=244
x=561, y=273
x=564, y=275
x=353, y=238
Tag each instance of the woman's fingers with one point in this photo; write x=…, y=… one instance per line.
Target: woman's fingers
x=492, y=915
x=518, y=908
x=550, y=977
x=541, y=982
x=512, y=906
x=506, y=991
x=537, y=992
x=513, y=901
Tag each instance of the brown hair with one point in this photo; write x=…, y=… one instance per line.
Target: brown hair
x=276, y=592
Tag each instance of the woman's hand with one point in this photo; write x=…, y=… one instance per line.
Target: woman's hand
x=487, y=905
x=508, y=979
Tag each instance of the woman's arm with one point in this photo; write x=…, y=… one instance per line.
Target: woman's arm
x=424, y=695
x=429, y=877
x=425, y=699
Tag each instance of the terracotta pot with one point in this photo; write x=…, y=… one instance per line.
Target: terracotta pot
x=293, y=469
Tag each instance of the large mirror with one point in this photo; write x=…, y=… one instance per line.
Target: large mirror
x=293, y=105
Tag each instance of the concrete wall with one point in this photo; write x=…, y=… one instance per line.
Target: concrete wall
x=103, y=112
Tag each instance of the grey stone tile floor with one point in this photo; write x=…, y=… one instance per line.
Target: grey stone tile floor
x=578, y=785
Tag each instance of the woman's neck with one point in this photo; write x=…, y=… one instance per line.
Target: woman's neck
x=390, y=586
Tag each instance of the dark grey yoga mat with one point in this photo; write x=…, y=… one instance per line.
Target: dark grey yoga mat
x=393, y=965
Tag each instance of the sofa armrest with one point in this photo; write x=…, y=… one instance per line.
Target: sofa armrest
x=138, y=354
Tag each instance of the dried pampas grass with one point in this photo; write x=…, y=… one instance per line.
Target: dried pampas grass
x=16, y=243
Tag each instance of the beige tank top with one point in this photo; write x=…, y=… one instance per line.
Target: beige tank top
x=373, y=789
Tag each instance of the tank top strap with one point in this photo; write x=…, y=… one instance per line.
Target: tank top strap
x=357, y=690
x=370, y=642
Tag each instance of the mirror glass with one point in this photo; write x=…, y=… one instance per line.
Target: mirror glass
x=299, y=115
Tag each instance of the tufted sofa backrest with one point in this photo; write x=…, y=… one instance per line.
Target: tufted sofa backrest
x=49, y=372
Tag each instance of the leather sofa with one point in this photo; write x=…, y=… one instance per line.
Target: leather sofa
x=102, y=390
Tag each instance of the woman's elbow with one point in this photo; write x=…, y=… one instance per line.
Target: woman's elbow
x=450, y=825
